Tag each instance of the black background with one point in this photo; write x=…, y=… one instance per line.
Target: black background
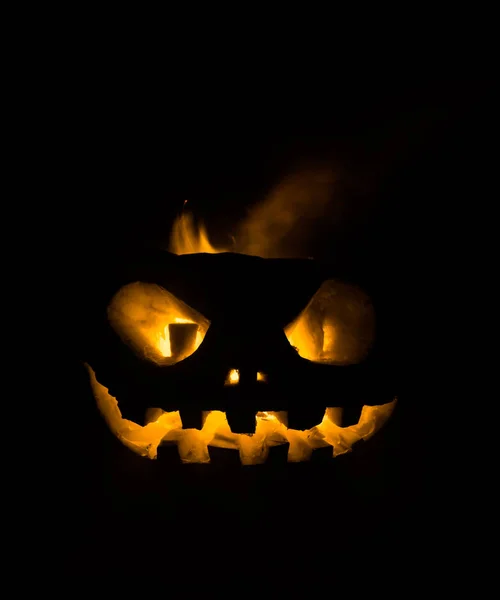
x=410, y=158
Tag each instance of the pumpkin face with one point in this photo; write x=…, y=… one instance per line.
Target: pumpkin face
x=211, y=355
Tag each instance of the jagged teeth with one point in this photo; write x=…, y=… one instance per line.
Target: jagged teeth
x=131, y=410
x=305, y=418
x=254, y=438
x=350, y=415
x=334, y=413
x=152, y=415
x=241, y=421
x=168, y=453
x=191, y=418
x=323, y=454
x=278, y=454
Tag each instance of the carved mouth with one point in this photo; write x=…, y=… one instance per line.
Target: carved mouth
x=164, y=430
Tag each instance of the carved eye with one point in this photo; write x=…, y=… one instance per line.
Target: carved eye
x=336, y=327
x=155, y=323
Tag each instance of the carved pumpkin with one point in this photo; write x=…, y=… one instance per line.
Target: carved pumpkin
x=212, y=356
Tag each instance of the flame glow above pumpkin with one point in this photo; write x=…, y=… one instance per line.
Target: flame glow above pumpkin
x=187, y=238
x=272, y=228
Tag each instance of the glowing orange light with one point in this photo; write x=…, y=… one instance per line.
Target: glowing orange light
x=164, y=342
x=142, y=313
x=233, y=377
x=270, y=430
x=188, y=238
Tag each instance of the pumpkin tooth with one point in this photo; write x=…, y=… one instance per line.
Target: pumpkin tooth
x=323, y=454
x=132, y=411
x=191, y=418
x=152, y=414
x=168, y=453
x=278, y=454
x=223, y=456
x=351, y=415
x=241, y=420
x=305, y=418
x=334, y=413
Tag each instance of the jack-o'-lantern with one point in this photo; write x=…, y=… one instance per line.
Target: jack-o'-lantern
x=217, y=353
